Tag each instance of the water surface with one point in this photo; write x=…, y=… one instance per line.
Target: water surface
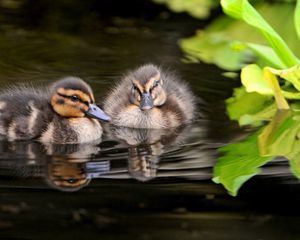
x=134, y=184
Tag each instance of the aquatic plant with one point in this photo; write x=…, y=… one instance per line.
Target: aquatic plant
x=270, y=83
x=274, y=61
x=278, y=77
x=282, y=62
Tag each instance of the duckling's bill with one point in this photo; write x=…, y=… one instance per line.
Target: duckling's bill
x=146, y=102
x=95, y=112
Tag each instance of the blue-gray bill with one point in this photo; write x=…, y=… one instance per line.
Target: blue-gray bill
x=146, y=102
x=96, y=112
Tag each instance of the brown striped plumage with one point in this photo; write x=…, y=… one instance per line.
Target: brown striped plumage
x=61, y=113
x=150, y=98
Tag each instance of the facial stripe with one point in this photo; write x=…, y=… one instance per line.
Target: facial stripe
x=61, y=100
x=77, y=105
x=70, y=92
x=151, y=81
x=66, y=107
x=138, y=85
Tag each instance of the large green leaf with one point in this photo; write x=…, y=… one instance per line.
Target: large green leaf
x=213, y=48
x=239, y=162
x=276, y=138
x=266, y=55
x=265, y=82
x=241, y=9
x=269, y=77
x=243, y=103
x=265, y=114
x=229, y=43
x=251, y=77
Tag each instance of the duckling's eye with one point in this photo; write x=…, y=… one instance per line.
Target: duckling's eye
x=74, y=98
x=134, y=88
x=156, y=83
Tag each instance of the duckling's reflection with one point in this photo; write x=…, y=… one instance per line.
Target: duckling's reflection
x=145, y=146
x=66, y=167
x=66, y=176
x=142, y=162
x=71, y=167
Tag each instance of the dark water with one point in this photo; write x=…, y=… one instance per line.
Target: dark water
x=133, y=184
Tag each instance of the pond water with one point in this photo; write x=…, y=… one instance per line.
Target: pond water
x=132, y=184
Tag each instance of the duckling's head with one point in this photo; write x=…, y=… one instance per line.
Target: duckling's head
x=147, y=87
x=72, y=97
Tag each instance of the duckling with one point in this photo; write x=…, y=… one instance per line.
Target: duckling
x=65, y=112
x=150, y=98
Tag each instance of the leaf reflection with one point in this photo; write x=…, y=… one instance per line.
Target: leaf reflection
x=241, y=161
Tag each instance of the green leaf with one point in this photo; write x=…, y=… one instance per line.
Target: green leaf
x=251, y=77
x=291, y=95
x=266, y=54
x=217, y=44
x=241, y=9
x=212, y=48
x=272, y=80
x=265, y=82
x=265, y=114
x=292, y=75
x=196, y=8
x=239, y=163
x=271, y=142
x=243, y=103
x=297, y=18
